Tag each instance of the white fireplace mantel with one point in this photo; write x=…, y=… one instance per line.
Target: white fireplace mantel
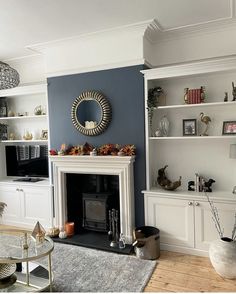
x=121, y=166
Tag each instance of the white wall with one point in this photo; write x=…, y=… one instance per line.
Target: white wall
x=31, y=68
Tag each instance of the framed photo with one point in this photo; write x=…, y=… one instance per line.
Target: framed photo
x=229, y=128
x=189, y=127
x=44, y=135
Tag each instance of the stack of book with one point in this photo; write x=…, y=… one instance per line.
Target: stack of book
x=194, y=96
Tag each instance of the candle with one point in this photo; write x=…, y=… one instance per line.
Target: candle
x=70, y=229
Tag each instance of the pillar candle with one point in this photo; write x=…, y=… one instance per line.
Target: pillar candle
x=70, y=229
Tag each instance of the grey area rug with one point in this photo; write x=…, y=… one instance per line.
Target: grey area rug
x=79, y=269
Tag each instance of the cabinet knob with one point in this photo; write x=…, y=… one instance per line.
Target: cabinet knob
x=17, y=189
x=21, y=190
x=190, y=203
x=197, y=203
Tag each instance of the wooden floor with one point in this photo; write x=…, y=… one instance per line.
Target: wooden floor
x=177, y=272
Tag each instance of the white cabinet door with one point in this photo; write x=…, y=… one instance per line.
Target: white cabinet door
x=173, y=217
x=12, y=212
x=36, y=205
x=205, y=227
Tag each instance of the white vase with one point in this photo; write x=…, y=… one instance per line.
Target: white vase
x=222, y=253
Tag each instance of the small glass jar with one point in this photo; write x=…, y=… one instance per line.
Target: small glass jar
x=122, y=241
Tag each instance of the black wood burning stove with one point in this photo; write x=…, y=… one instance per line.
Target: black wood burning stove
x=95, y=211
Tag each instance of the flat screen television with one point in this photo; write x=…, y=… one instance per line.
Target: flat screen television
x=27, y=160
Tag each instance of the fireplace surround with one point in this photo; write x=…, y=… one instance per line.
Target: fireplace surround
x=122, y=166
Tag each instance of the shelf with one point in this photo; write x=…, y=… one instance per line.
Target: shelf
x=24, y=141
x=27, y=89
x=179, y=193
x=195, y=138
x=230, y=103
x=24, y=117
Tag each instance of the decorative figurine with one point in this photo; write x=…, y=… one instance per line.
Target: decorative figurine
x=164, y=182
x=191, y=186
x=38, y=233
x=226, y=97
x=233, y=92
x=206, y=120
x=207, y=185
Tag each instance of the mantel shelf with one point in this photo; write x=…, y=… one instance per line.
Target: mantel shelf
x=195, y=137
x=229, y=103
x=23, y=117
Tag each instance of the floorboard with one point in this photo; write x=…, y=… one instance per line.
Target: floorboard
x=177, y=272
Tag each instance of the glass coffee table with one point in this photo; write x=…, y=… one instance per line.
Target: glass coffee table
x=25, y=264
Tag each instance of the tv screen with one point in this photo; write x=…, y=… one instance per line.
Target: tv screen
x=27, y=160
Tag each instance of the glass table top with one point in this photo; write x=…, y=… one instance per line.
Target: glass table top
x=19, y=245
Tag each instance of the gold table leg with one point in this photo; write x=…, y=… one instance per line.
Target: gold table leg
x=50, y=271
x=27, y=273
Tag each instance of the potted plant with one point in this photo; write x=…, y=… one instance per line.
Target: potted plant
x=222, y=252
x=154, y=95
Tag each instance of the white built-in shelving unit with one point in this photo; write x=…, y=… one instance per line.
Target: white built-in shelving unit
x=22, y=101
x=182, y=216
x=27, y=202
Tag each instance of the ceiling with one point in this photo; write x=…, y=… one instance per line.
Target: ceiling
x=28, y=22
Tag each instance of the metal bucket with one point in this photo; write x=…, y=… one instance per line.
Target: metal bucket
x=147, y=242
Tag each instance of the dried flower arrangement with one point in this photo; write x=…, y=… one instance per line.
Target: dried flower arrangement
x=86, y=149
x=216, y=220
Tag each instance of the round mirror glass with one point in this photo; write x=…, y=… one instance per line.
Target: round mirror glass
x=91, y=113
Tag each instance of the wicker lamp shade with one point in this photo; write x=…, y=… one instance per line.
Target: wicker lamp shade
x=9, y=77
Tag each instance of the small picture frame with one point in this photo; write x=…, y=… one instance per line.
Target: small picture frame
x=229, y=128
x=189, y=127
x=44, y=135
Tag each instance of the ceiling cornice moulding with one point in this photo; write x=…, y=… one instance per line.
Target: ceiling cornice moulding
x=156, y=34
x=136, y=28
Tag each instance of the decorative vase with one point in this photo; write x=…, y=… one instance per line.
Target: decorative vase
x=164, y=126
x=222, y=254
